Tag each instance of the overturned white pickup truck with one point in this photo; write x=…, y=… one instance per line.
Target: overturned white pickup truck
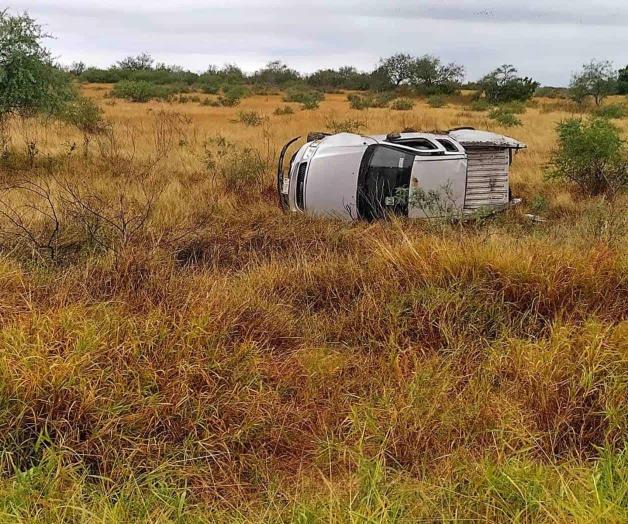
x=418, y=175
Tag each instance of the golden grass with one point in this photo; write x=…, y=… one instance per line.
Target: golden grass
x=231, y=363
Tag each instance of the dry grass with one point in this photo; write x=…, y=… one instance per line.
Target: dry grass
x=227, y=362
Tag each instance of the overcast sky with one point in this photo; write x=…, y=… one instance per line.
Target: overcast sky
x=547, y=39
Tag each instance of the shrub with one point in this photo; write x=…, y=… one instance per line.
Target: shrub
x=210, y=102
x=345, y=126
x=310, y=103
x=590, y=153
x=481, y=104
x=504, y=85
x=140, y=91
x=504, y=117
x=372, y=100
x=515, y=107
x=436, y=101
x=303, y=95
x=85, y=115
x=264, y=89
x=210, y=88
x=95, y=75
x=242, y=168
x=382, y=99
x=358, y=102
x=29, y=81
x=285, y=110
x=402, y=104
x=551, y=92
x=232, y=94
x=611, y=111
x=250, y=118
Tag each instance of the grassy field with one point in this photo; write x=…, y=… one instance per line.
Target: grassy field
x=178, y=349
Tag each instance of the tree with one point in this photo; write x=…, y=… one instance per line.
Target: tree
x=622, y=81
x=29, y=80
x=142, y=62
x=591, y=154
x=504, y=85
x=429, y=75
x=275, y=73
x=347, y=77
x=77, y=68
x=398, y=68
x=597, y=79
x=229, y=74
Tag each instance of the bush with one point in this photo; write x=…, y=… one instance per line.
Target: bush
x=140, y=91
x=85, y=115
x=552, y=92
x=402, y=104
x=210, y=88
x=358, y=102
x=611, y=111
x=29, y=81
x=250, y=118
x=481, y=104
x=436, y=101
x=503, y=85
x=345, y=126
x=516, y=107
x=310, y=104
x=304, y=95
x=228, y=100
x=210, y=102
x=242, y=169
x=590, y=153
x=504, y=117
x=232, y=94
x=95, y=75
x=285, y=110
x=372, y=100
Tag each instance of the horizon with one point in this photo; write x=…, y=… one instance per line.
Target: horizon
x=481, y=35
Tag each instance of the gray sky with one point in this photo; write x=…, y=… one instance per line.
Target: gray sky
x=547, y=39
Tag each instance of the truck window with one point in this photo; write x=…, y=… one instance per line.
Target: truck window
x=421, y=144
x=384, y=181
x=448, y=145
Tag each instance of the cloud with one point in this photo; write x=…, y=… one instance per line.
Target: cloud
x=547, y=40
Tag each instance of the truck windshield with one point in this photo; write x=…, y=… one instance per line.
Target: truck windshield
x=384, y=181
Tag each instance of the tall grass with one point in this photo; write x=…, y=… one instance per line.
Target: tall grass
x=227, y=362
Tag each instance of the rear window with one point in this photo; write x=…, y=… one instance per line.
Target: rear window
x=448, y=145
x=419, y=143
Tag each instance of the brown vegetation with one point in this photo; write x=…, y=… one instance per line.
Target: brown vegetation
x=173, y=346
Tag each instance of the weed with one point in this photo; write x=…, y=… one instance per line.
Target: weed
x=402, y=104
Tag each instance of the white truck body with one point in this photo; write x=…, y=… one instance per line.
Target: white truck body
x=418, y=175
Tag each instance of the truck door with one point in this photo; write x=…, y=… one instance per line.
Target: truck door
x=437, y=186
x=384, y=182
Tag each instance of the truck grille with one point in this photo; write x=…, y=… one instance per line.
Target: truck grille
x=301, y=185
x=487, y=178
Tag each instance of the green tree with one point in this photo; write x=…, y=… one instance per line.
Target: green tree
x=622, y=81
x=397, y=68
x=505, y=85
x=597, y=79
x=275, y=73
x=428, y=75
x=142, y=62
x=592, y=154
x=29, y=80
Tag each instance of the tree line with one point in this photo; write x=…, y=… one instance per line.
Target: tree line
x=422, y=75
